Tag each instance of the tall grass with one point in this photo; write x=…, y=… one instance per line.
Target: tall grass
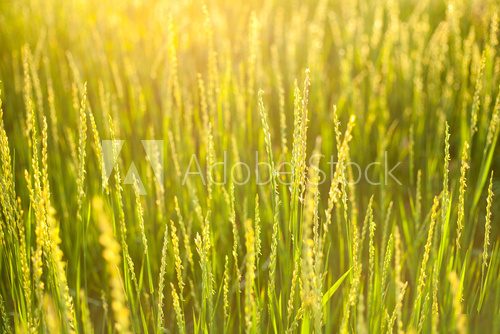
x=325, y=166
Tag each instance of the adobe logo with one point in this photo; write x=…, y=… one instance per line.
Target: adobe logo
x=154, y=154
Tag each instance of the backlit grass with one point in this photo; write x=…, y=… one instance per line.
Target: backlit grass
x=274, y=166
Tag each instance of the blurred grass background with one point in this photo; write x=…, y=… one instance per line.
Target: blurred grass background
x=189, y=73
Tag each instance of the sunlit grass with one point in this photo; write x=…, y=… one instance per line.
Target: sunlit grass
x=276, y=166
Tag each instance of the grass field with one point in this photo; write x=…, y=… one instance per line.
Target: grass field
x=249, y=166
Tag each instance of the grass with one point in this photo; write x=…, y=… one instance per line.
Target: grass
x=319, y=166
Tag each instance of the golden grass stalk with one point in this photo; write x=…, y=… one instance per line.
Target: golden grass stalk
x=175, y=156
x=273, y=258
x=269, y=150
x=173, y=79
x=476, y=102
x=495, y=121
x=14, y=223
x=61, y=280
x=253, y=44
x=297, y=157
x=203, y=246
x=159, y=186
x=300, y=137
x=226, y=292
x=236, y=158
x=293, y=287
x=387, y=261
x=460, y=317
x=210, y=162
x=36, y=198
x=435, y=300
x=258, y=246
x=339, y=179
x=185, y=233
x=82, y=142
x=213, y=72
x=349, y=192
x=37, y=89
x=96, y=145
x=411, y=153
x=385, y=320
x=311, y=293
x=5, y=179
x=298, y=316
x=427, y=250
x=418, y=195
x=121, y=214
x=371, y=260
x=283, y=126
x=423, y=313
x=161, y=280
x=487, y=224
x=356, y=273
x=276, y=202
x=111, y=255
x=366, y=224
x=27, y=93
x=494, y=31
x=177, y=258
x=266, y=130
x=232, y=219
x=203, y=104
x=461, y=192
x=400, y=286
x=140, y=217
x=396, y=315
x=445, y=195
x=179, y=314
x=251, y=309
x=51, y=101
x=386, y=226
x=53, y=251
